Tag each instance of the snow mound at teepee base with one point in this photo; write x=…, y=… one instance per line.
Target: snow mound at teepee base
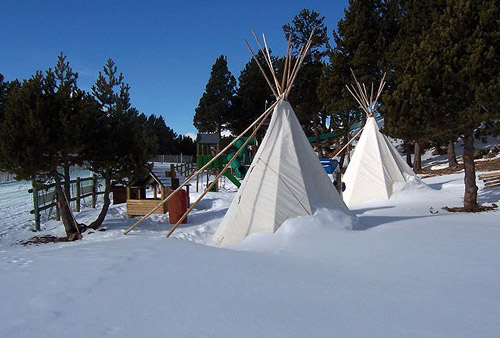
x=302, y=233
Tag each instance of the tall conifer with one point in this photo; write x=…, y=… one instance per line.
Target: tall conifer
x=214, y=108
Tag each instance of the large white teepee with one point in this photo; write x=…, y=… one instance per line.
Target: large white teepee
x=375, y=165
x=285, y=179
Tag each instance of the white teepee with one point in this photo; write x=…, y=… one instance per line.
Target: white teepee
x=285, y=179
x=375, y=165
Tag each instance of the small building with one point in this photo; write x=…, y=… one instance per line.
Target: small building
x=145, y=193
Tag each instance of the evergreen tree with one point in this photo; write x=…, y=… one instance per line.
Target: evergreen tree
x=167, y=138
x=301, y=28
x=42, y=132
x=186, y=145
x=448, y=75
x=214, y=108
x=408, y=105
x=122, y=141
x=304, y=97
x=3, y=95
x=467, y=54
x=358, y=38
x=358, y=48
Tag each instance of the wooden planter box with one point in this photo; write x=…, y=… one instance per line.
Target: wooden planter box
x=142, y=207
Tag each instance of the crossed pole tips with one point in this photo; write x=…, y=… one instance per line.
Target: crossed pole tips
x=367, y=103
x=360, y=94
x=280, y=90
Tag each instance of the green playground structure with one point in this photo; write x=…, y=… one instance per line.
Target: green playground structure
x=338, y=133
x=238, y=164
x=218, y=164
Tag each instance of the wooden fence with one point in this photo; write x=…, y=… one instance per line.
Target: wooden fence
x=174, y=158
x=44, y=197
x=6, y=177
x=185, y=169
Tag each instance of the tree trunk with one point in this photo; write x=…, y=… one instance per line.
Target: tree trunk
x=342, y=156
x=107, y=201
x=452, y=157
x=319, y=150
x=69, y=222
x=408, y=158
x=470, y=196
x=417, y=162
x=67, y=181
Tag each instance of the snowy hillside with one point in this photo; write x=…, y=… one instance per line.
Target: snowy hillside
x=399, y=271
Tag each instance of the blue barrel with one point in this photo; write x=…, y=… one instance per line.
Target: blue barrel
x=329, y=164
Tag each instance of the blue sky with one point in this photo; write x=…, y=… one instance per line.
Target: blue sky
x=164, y=49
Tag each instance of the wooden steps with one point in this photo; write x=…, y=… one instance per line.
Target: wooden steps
x=491, y=180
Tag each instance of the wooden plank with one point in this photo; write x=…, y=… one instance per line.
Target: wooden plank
x=489, y=175
x=142, y=207
x=491, y=178
x=496, y=185
x=493, y=183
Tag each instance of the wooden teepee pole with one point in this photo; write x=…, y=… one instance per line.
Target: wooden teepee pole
x=361, y=94
x=271, y=67
x=358, y=99
x=300, y=60
x=260, y=118
x=285, y=66
x=218, y=175
x=350, y=141
x=267, y=57
x=261, y=69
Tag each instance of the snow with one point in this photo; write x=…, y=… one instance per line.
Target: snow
x=400, y=269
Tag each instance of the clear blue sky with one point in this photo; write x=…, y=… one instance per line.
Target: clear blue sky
x=165, y=49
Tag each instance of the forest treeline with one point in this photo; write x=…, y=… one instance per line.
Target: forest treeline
x=442, y=62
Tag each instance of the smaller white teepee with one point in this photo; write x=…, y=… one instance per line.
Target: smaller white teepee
x=375, y=165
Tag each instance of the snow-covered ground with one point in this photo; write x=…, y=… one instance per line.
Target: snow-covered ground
x=400, y=270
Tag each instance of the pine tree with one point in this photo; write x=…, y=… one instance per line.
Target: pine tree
x=214, y=108
x=358, y=39
x=467, y=56
x=185, y=145
x=301, y=28
x=3, y=95
x=121, y=142
x=42, y=132
x=167, y=138
x=408, y=104
x=304, y=97
x=357, y=48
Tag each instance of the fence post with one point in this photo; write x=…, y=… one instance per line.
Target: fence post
x=94, y=190
x=78, y=190
x=36, y=208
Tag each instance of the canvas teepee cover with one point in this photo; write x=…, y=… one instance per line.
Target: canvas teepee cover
x=374, y=168
x=285, y=179
x=375, y=165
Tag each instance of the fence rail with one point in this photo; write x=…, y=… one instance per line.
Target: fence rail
x=174, y=158
x=44, y=197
